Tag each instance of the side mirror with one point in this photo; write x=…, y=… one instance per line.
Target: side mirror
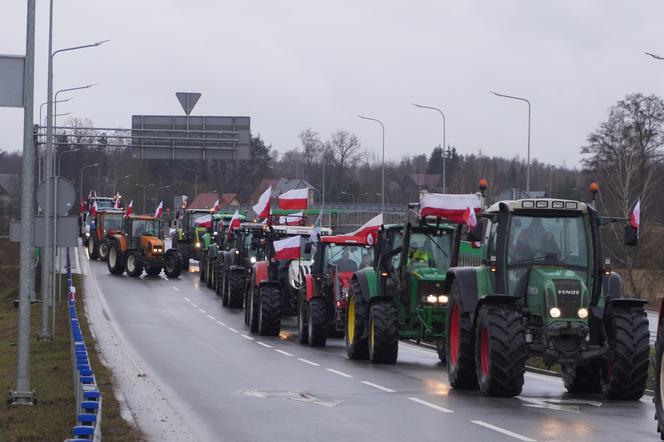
x=631, y=235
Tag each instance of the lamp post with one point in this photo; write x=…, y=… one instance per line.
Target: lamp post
x=82, y=169
x=382, y=188
x=61, y=154
x=528, y=163
x=655, y=56
x=144, y=187
x=55, y=101
x=195, y=182
x=156, y=191
x=115, y=185
x=444, y=142
x=41, y=107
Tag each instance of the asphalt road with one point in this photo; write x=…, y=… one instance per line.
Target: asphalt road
x=229, y=385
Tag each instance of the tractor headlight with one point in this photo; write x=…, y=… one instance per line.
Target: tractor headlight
x=583, y=313
x=431, y=299
x=237, y=252
x=198, y=245
x=252, y=260
x=215, y=233
x=554, y=312
x=345, y=292
x=442, y=299
x=87, y=234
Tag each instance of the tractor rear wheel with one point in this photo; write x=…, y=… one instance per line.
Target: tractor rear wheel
x=269, y=311
x=582, y=379
x=115, y=260
x=201, y=267
x=251, y=308
x=500, y=351
x=134, y=263
x=625, y=377
x=383, y=333
x=93, y=251
x=356, y=343
x=152, y=270
x=460, y=345
x=302, y=327
x=173, y=263
x=317, y=322
x=224, y=289
x=659, y=381
x=208, y=272
x=103, y=249
x=234, y=283
x=217, y=280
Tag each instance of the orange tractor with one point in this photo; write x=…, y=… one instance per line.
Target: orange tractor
x=139, y=246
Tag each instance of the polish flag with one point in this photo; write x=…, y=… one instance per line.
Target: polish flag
x=204, y=221
x=235, y=221
x=130, y=209
x=292, y=219
x=90, y=194
x=295, y=199
x=448, y=206
x=288, y=248
x=635, y=219
x=93, y=211
x=469, y=217
x=262, y=207
x=117, y=204
x=216, y=206
x=185, y=201
x=160, y=210
x=369, y=230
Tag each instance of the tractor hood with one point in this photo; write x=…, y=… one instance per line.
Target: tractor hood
x=427, y=284
x=555, y=287
x=152, y=245
x=428, y=274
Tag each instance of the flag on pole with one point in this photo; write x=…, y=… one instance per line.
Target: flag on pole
x=160, y=210
x=448, y=206
x=185, y=201
x=295, y=199
x=288, y=248
x=130, y=208
x=204, y=221
x=469, y=217
x=262, y=207
x=216, y=206
x=116, y=206
x=235, y=221
x=369, y=230
x=635, y=219
x=291, y=219
x=93, y=211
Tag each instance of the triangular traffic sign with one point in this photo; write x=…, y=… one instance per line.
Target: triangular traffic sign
x=188, y=100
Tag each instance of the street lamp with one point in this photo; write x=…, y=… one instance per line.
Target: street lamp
x=444, y=142
x=195, y=182
x=144, y=187
x=55, y=101
x=157, y=191
x=382, y=200
x=62, y=153
x=41, y=107
x=528, y=163
x=115, y=186
x=656, y=57
x=352, y=197
x=82, y=169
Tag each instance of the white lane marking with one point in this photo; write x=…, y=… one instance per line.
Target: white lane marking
x=285, y=353
x=502, y=431
x=212, y=317
x=187, y=299
x=306, y=361
x=232, y=329
x=569, y=405
x=221, y=323
x=380, y=387
x=176, y=289
x=202, y=311
x=247, y=337
x=430, y=405
x=340, y=373
x=78, y=263
x=263, y=344
x=194, y=305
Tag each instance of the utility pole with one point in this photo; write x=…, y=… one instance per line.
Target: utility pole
x=22, y=395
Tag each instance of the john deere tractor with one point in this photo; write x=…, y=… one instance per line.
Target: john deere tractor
x=544, y=289
x=188, y=237
x=401, y=295
x=246, y=246
x=105, y=223
x=323, y=296
x=138, y=246
x=214, y=242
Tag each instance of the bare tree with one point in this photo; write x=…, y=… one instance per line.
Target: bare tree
x=311, y=147
x=345, y=152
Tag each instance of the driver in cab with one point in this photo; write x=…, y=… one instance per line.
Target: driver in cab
x=536, y=241
x=345, y=263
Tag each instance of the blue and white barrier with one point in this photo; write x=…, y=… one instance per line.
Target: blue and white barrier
x=86, y=392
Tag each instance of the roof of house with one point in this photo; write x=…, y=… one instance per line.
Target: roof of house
x=206, y=200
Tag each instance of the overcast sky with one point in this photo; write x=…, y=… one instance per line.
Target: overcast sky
x=290, y=65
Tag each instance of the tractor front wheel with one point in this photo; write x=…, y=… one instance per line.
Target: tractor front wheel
x=582, y=379
x=103, y=249
x=134, y=263
x=500, y=351
x=356, y=343
x=269, y=311
x=317, y=322
x=625, y=376
x=173, y=263
x=302, y=326
x=234, y=283
x=115, y=260
x=93, y=248
x=383, y=332
x=460, y=346
x=251, y=308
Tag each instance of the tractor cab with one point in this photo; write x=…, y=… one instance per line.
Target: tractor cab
x=143, y=232
x=188, y=237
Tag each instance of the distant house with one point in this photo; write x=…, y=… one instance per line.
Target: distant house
x=280, y=186
x=206, y=200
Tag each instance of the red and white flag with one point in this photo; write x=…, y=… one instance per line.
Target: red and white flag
x=369, y=230
x=216, y=206
x=130, y=208
x=262, y=207
x=117, y=204
x=235, y=220
x=291, y=219
x=160, y=210
x=635, y=219
x=185, y=201
x=93, y=211
x=204, y=221
x=295, y=199
x=288, y=248
x=448, y=206
x=469, y=217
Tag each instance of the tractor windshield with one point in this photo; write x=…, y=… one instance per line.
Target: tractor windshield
x=429, y=250
x=349, y=257
x=104, y=203
x=113, y=222
x=145, y=227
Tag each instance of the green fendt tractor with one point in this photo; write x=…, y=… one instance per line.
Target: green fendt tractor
x=188, y=236
x=401, y=296
x=213, y=244
x=544, y=289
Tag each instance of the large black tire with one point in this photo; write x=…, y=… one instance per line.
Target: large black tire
x=500, y=350
x=460, y=345
x=173, y=263
x=202, y=267
x=317, y=322
x=302, y=312
x=357, y=346
x=93, y=247
x=152, y=270
x=234, y=283
x=217, y=279
x=251, y=309
x=134, y=263
x=104, y=248
x=115, y=261
x=269, y=311
x=224, y=288
x=208, y=272
x=626, y=376
x=584, y=379
x=383, y=332
x=659, y=380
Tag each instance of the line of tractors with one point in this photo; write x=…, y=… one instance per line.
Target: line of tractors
x=525, y=278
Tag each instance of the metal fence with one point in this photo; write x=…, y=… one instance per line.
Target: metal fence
x=86, y=392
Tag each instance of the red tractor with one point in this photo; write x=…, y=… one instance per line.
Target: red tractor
x=324, y=294
x=103, y=226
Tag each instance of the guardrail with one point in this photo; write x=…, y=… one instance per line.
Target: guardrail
x=86, y=393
